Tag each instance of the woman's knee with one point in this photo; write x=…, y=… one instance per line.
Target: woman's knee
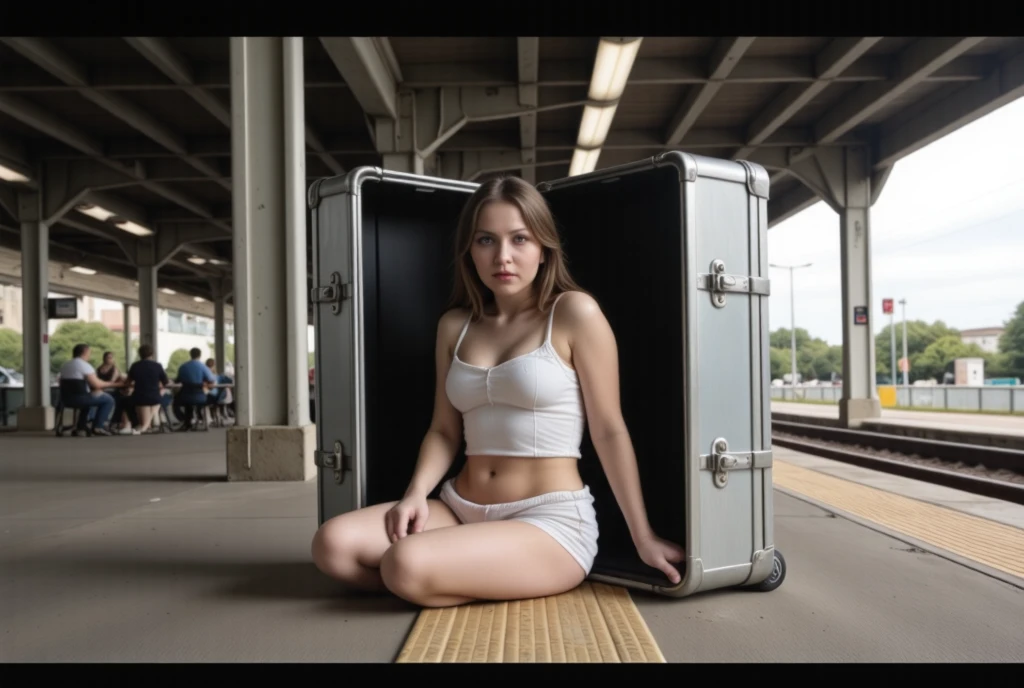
x=333, y=544
x=404, y=568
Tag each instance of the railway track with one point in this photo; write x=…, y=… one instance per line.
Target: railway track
x=800, y=436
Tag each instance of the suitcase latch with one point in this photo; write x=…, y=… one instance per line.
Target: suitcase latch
x=334, y=293
x=720, y=461
x=337, y=459
x=719, y=283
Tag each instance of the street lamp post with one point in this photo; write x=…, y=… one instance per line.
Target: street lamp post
x=792, y=316
x=906, y=373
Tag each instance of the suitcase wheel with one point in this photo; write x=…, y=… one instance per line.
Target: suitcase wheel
x=777, y=575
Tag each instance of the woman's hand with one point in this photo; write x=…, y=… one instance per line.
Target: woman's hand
x=657, y=553
x=407, y=517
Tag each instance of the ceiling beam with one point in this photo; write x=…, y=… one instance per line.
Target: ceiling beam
x=834, y=59
x=48, y=57
x=215, y=76
x=723, y=60
x=176, y=67
x=368, y=67
x=529, y=57
x=673, y=71
x=923, y=57
x=162, y=55
x=1004, y=85
x=41, y=119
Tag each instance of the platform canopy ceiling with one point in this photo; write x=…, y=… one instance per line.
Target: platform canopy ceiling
x=154, y=115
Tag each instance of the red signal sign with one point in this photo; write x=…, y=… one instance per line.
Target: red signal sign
x=887, y=306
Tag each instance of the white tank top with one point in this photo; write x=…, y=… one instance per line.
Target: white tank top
x=530, y=405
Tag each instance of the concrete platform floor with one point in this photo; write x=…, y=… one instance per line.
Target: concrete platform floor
x=129, y=549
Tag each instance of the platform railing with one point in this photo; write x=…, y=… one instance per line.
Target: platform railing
x=994, y=398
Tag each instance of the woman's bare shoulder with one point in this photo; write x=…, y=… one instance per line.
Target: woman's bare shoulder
x=450, y=324
x=577, y=307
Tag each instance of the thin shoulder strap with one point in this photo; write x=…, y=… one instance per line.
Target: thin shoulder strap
x=464, y=328
x=551, y=316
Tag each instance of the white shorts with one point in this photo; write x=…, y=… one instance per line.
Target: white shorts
x=569, y=517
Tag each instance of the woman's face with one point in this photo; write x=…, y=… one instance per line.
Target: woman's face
x=505, y=252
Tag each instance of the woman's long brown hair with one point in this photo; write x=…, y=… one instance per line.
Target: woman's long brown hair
x=553, y=275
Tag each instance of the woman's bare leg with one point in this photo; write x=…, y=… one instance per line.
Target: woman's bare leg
x=349, y=547
x=496, y=560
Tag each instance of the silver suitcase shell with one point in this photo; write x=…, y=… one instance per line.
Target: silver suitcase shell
x=720, y=230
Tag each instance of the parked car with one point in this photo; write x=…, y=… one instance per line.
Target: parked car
x=10, y=378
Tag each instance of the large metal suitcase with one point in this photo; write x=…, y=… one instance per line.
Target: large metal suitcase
x=674, y=249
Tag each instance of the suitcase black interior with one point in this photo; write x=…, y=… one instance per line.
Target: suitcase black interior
x=623, y=240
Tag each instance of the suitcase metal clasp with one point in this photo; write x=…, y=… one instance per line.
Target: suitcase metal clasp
x=719, y=284
x=720, y=463
x=337, y=459
x=334, y=293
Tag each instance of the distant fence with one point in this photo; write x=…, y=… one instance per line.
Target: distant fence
x=947, y=397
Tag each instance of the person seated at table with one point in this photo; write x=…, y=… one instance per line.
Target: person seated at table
x=108, y=371
x=148, y=378
x=195, y=379
x=92, y=399
x=219, y=396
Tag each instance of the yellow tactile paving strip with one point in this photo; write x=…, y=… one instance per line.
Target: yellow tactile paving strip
x=592, y=623
x=994, y=544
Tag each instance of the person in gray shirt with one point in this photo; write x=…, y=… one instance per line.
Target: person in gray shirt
x=90, y=395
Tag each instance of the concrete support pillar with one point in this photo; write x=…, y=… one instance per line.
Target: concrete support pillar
x=860, y=398
x=843, y=178
x=273, y=438
x=218, y=332
x=36, y=414
x=127, y=319
x=147, y=309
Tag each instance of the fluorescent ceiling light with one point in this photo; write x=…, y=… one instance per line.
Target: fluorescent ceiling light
x=595, y=125
x=584, y=161
x=611, y=68
x=218, y=261
x=84, y=271
x=167, y=291
x=9, y=175
x=197, y=260
x=198, y=299
x=101, y=214
x=132, y=228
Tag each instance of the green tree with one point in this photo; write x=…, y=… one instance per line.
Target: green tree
x=1013, y=336
x=782, y=339
x=933, y=361
x=74, y=332
x=10, y=350
x=178, y=357
x=815, y=359
x=1010, y=360
x=779, y=360
x=920, y=335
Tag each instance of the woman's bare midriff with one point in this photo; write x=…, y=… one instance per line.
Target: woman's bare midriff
x=502, y=479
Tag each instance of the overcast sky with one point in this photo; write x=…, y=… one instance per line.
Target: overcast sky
x=947, y=235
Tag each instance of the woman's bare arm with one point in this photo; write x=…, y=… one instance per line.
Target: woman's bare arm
x=595, y=357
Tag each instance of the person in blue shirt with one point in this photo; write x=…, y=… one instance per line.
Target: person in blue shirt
x=218, y=397
x=194, y=377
